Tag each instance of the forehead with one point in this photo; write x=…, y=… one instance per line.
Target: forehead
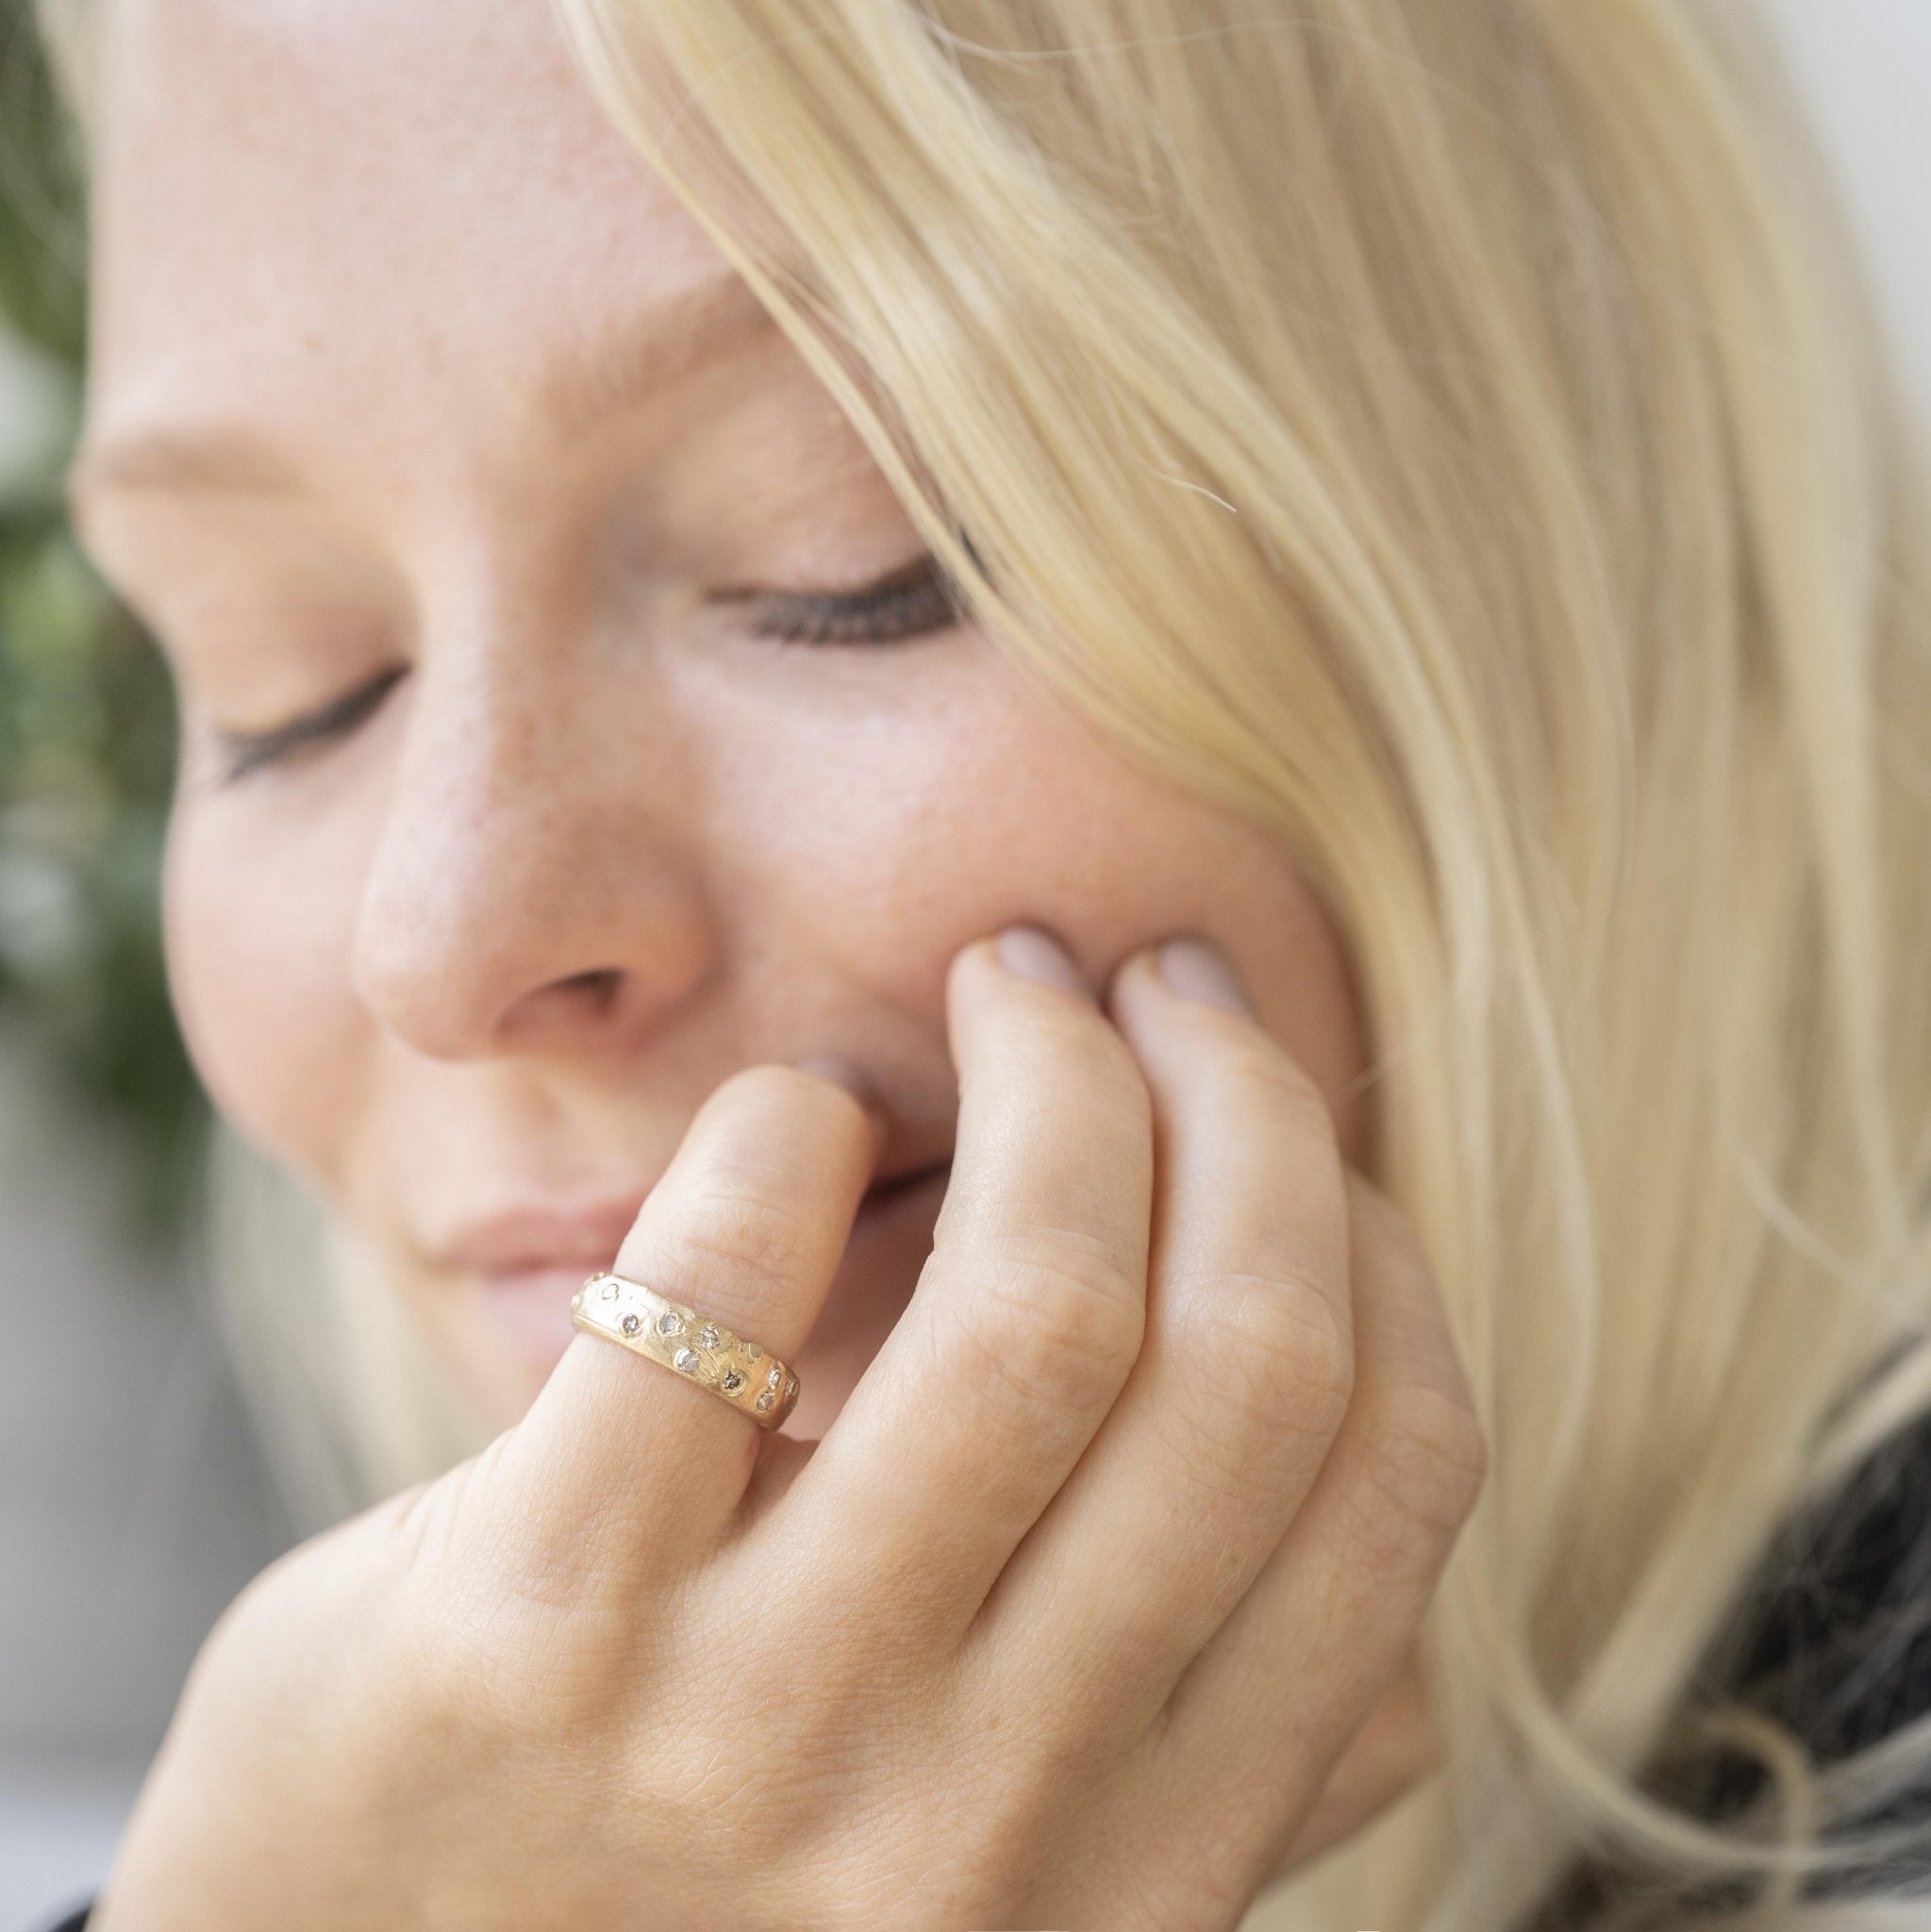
x=333, y=213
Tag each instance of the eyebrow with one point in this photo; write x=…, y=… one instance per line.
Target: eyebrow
x=598, y=375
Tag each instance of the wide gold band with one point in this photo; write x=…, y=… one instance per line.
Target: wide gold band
x=696, y=1347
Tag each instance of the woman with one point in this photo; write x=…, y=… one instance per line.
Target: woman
x=1258, y=676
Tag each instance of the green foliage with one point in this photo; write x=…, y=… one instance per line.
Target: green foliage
x=86, y=734
x=42, y=199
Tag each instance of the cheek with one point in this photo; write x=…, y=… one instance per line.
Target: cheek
x=254, y=950
x=884, y=840
x=897, y=848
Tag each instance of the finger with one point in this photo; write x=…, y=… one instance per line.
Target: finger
x=1026, y=1320
x=1303, y=1659
x=1242, y=1850
x=1399, y=1742
x=746, y=1227
x=1241, y=1383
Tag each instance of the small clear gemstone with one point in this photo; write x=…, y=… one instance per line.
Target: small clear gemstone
x=777, y=1375
x=751, y=1351
x=791, y=1386
x=609, y=1290
x=670, y=1322
x=732, y=1382
x=764, y=1400
x=687, y=1359
x=631, y=1324
x=707, y=1335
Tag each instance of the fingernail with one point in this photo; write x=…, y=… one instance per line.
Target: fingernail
x=1196, y=969
x=1034, y=954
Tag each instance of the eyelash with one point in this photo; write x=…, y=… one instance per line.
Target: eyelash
x=913, y=601
x=242, y=752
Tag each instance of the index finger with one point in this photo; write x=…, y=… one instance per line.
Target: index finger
x=746, y=1227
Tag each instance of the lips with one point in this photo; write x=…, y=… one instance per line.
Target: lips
x=530, y=1261
x=523, y=1239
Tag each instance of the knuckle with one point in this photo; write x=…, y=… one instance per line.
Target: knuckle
x=1289, y=1346
x=730, y=1228
x=492, y=1664
x=1054, y=1317
x=483, y=1636
x=1426, y=1461
x=1425, y=1429
x=508, y=1651
x=1273, y=1364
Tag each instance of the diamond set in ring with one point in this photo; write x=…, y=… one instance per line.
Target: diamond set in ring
x=702, y=1350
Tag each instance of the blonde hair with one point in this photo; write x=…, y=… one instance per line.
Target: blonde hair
x=1455, y=434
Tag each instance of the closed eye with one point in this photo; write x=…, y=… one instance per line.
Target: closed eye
x=912, y=601
x=242, y=752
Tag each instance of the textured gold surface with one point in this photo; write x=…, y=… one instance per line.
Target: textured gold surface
x=695, y=1346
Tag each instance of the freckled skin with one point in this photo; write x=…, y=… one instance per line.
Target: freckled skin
x=601, y=845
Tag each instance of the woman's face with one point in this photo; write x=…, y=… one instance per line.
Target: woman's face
x=420, y=411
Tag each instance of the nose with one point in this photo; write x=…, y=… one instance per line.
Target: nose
x=528, y=890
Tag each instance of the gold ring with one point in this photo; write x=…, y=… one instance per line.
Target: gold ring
x=699, y=1349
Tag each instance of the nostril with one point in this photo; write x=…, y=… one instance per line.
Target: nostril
x=600, y=985
x=579, y=1009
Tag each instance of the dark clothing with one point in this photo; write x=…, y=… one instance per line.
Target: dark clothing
x=1840, y=1644
x=1832, y=1637
x=1845, y=1578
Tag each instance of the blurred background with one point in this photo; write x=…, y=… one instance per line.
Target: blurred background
x=133, y=1502
x=135, y=1497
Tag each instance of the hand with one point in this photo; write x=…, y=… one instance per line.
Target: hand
x=1067, y=1622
